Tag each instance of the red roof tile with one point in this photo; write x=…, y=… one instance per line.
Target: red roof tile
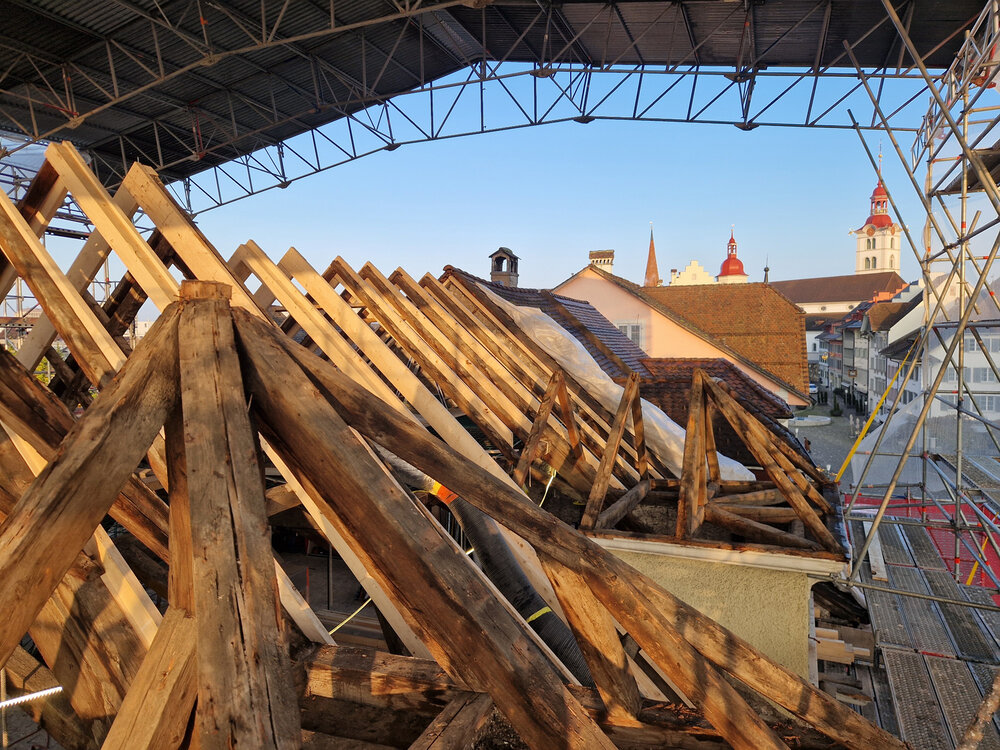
x=848, y=288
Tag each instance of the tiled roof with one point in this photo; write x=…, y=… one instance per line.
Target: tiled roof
x=752, y=319
x=615, y=352
x=819, y=321
x=883, y=315
x=753, y=322
x=848, y=288
x=669, y=386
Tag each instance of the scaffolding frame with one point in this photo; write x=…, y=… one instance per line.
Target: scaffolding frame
x=958, y=122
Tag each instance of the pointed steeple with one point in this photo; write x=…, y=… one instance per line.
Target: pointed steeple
x=652, y=272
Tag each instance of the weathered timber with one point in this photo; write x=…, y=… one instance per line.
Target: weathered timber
x=39, y=418
x=110, y=221
x=715, y=642
x=456, y=726
x=758, y=498
x=67, y=501
x=623, y=506
x=471, y=631
x=758, y=512
x=598, y=638
x=763, y=452
x=156, y=710
x=693, y=492
x=42, y=199
x=595, y=501
x=541, y=418
x=54, y=714
x=245, y=695
x=753, y=529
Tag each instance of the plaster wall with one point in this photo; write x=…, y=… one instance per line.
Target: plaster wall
x=661, y=336
x=768, y=608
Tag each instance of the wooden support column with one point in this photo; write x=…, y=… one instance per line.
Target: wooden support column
x=600, y=488
x=541, y=419
x=693, y=492
x=245, y=694
x=67, y=501
x=157, y=708
x=472, y=632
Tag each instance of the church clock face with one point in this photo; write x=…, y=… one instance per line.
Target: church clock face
x=870, y=231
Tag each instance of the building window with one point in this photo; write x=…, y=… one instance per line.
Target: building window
x=633, y=331
x=868, y=264
x=814, y=346
x=892, y=262
x=874, y=262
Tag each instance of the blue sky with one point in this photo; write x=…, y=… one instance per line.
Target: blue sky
x=553, y=193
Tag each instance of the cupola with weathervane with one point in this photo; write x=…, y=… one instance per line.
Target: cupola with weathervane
x=503, y=267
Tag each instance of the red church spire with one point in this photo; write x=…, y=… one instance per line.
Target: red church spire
x=732, y=266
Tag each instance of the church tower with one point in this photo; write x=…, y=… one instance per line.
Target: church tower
x=879, y=239
x=732, y=267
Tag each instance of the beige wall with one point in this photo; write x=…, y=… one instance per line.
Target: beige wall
x=768, y=608
x=661, y=336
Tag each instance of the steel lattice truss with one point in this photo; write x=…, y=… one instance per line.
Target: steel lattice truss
x=229, y=98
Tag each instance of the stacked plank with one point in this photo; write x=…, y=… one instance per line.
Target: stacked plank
x=218, y=389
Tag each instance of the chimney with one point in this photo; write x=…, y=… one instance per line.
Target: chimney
x=603, y=259
x=503, y=267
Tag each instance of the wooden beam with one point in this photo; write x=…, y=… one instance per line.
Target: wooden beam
x=455, y=728
x=541, y=419
x=471, y=631
x=42, y=199
x=753, y=529
x=623, y=506
x=111, y=221
x=595, y=500
x=157, y=708
x=245, y=694
x=764, y=455
x=599, y=641
x=65, y=504
x=716, y=643
x=693, y=491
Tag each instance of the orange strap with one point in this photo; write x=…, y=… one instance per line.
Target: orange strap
x=442, y=493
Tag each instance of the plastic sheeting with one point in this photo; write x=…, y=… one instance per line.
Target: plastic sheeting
x=940, y=433
x=664, y=436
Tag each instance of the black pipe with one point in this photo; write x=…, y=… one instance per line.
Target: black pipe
x=502, y=568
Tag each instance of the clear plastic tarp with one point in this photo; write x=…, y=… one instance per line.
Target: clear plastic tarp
x=664, y=436
x=941, y=434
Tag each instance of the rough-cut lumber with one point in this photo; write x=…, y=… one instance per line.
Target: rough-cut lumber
x=758, y=512
x=42, y=199
x=753, y=529
x=110, y=221
x=156, y=710
x=595, y=501
x=456, y=726
x=693, y=492
x=94, y=348
x=38, y=417
x=598, y=638
x=54, y=714
x=469, y=629
x=715, y=642
x=67, y=501
x=541, y=418
x=623, y=506
x=762, y=450
x=245, y=695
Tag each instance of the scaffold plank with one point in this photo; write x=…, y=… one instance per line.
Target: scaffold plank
x=966, y=630
x=893, y=547
x=920, y=719
x=922, y=617
x=959, y=696
x=885, y=614
x=990, y=620
x=925, y=554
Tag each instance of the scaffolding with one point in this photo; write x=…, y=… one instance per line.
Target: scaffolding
x=936, y=460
